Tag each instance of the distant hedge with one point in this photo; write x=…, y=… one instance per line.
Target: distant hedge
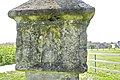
x=7, y=59
x=7, y=54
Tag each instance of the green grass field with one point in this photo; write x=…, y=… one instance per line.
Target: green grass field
x=115, y=51
x=90, y=75
x=100, y=74
x=15, y=75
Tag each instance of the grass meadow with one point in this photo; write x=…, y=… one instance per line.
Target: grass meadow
x=102, y=74
x=115, y=51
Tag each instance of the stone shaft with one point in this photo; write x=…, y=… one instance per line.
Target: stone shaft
x=46, y=76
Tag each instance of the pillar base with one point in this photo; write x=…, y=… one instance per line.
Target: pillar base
x=47, y=76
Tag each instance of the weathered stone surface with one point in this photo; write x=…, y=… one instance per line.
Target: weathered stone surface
x=51, y=45
x=46, y=76
x=38, y=7
x=52, y=37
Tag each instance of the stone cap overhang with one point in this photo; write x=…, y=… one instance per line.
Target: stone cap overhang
x=39, y=7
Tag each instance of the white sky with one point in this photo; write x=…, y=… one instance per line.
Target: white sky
x=104, y=27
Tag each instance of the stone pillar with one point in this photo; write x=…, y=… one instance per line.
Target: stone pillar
x=51, y=39
x=51, y=76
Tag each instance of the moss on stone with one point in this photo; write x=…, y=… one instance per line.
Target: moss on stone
x=87, y=16
x=55, y=31
x=18, y=19
x=71, y=17
x=33, y=17
x=54, y=17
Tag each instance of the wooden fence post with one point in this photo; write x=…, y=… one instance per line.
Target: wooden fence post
x=95, y=56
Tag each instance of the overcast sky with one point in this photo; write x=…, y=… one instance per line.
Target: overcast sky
x=104, y=27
